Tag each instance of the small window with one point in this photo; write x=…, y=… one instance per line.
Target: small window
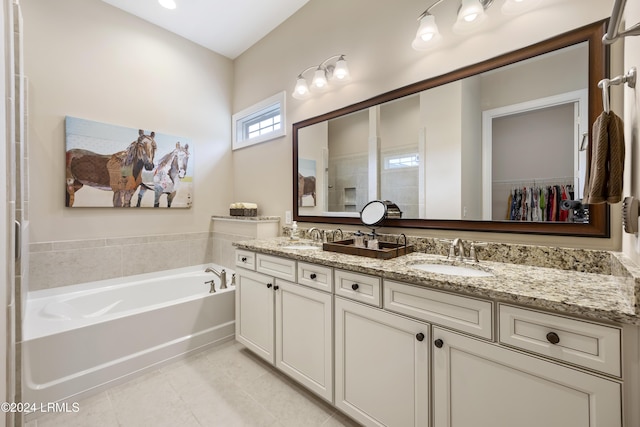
x=402, y=161
x=259, y=123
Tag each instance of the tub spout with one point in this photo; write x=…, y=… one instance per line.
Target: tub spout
x=222, y=274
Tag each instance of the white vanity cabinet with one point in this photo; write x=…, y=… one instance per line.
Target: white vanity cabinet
x=255, y=308
x=382, y=366
x=388, y=353
x=285, y=323
x=479, y=384
x=304, y=336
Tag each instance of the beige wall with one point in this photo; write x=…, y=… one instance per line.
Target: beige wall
x=87, y=59
x=376, y=37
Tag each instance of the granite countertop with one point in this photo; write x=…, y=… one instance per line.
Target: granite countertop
x=611, y=295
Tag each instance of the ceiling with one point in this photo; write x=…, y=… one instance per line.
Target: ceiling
x=223, y=26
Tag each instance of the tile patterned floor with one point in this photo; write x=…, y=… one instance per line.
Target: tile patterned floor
x=226, y=386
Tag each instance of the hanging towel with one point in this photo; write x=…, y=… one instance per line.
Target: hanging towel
x=605, y=161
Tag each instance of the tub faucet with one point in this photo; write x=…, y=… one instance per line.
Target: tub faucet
x=222, y=274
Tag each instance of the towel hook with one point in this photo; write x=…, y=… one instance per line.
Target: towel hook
x=629, y=79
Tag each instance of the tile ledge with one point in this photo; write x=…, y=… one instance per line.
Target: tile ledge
x=246, y=218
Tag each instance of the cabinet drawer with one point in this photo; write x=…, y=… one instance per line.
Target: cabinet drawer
x=359, y=287
x=465, y=314
x=281, y=268
x=245, y=259
x=583, y=343
x=315, y=276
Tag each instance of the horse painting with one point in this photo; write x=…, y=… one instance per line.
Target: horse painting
x=306, y=187
x=120, y=172
x=171, y=168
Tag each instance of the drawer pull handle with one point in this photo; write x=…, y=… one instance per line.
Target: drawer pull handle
x=269, y=285
x=553, y=338
x=355, y=286
x=420, y=336
x=244, y=259
x=276, y=287
x=313, y=276
x=438, y=343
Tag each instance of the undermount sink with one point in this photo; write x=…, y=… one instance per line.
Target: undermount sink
x=452, y=270
x=301, y=246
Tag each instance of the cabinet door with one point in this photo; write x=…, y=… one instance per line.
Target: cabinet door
x=382, y=370
x=254, y=313
x=478, y=384
x=304, y=336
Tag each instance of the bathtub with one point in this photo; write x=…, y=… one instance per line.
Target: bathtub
x=81, y=339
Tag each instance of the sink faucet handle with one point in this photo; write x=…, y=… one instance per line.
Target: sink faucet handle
x=472, y=251
x=452, y=251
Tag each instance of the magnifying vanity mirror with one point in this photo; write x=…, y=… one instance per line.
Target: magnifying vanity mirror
x=373, y=213
x=458, y=150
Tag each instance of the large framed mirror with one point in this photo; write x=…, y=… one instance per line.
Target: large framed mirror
x=496, y=146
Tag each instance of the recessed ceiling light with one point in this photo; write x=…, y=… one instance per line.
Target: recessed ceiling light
x=169, y=4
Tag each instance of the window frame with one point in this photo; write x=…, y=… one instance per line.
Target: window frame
x=241, y=120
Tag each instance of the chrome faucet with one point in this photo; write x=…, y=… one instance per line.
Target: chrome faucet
x=333, y=234
x=456, y=244
x=321, y=234
x=222, y=274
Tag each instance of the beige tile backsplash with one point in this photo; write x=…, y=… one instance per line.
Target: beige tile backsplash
x=63, y=263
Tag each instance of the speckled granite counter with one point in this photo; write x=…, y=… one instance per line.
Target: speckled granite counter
x=555, y=279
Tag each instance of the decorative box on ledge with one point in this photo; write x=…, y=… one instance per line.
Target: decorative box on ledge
x=243, y=209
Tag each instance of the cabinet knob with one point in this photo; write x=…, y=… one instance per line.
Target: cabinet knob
x=313, y=276
x=269, y=285
x=244, y=259
x=438, y=343
x=276, y=287
x=553, y=338
x=355, y=286
x=420, y=336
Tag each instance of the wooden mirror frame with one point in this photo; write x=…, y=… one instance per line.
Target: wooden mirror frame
x=599, y=224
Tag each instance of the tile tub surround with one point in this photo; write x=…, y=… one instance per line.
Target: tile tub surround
x=62, y=263
x=554, y=279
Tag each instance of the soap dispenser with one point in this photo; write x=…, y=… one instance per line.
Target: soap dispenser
x=294, y=231
x=372, y=243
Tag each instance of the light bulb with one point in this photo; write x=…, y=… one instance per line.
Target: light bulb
x=470, y=10
x=319, y=80
x=427, y=33
x=301, y=90
x=341, y=71
x=470, y=16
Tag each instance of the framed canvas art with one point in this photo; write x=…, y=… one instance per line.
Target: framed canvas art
x=306, y=182
x=115, y=166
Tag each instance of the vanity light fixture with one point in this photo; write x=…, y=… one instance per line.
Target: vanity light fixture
x=325, y=74
x=169, y=4
x=471, y=14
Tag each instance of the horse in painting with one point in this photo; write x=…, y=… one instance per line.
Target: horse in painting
x=120, y=172
x=171, y=168
x=306, y=187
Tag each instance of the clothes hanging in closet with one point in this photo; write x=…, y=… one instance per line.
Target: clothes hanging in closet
x=539, y=203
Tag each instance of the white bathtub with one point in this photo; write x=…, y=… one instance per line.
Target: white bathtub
x=83, y=338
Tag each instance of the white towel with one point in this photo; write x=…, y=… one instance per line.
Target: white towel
x=243, y=205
